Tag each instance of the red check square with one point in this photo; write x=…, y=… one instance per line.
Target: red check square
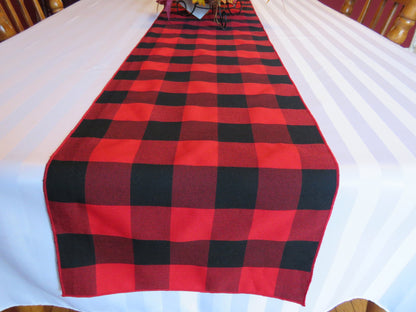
x=155, y=66
x=269, y=133
x=109, y=220
x=196, y=67
x=69, y=211
x=179, y=67
x=189, y=224
x=271, y=225
x=231, y=224
x=253, y=279
x=285, y=89
x=103, y=111
x=119, y=85
x=255, y=78
x=187, y=277
x=156, y=152
x=262, y=115
x=167, y=113
x=278, y=156
x=108, y=183
x=134, y=112
x=150, y=74
x=150, y=222
x=223, y=279
x=194, y=186
x=202, y=99
x=314, y=156
x=232, y=154
x=258, y=69
x=76, y=286
x=279, y=189
x=230, y=88
x=173, y=87
x=309, y=225
x=146, y=85
x=78, y=148
x=233, y=115
x=201, y=86
x=292, y=285
x=300, y=117
x=200, y=113
x=107, y=151
x=151, y=277
x=197, y=153
x=258, y=88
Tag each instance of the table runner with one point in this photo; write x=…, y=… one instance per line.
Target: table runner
x=197, y=168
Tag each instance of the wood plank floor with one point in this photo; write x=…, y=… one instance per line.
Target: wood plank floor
x=356, y=305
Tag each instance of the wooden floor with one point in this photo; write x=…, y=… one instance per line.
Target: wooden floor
x=357, y=305
x=37, y=309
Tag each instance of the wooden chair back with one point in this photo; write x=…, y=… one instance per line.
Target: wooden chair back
x=18, y=15
x=391, y=18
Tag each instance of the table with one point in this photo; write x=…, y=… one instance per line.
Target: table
x=360, y=87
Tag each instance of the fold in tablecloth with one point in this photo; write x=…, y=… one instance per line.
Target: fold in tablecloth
x=197, y=168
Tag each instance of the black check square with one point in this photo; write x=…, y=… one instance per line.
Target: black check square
x=151, y=34
x=254, y=28
x=236, y=187
x=314, y=182
x=137, y=58
x=171, y=99
x=235, y=100
x=76, y=250
x=284, y=79
x=182, y=46
x=151, y=252
x=165, y=131
x=271, y=62
x=112, y=97
x=146, y=45
x=121, y=247
x=127, y=75
x=235, y=133
x=226, y=254
x=290, y=102
x=178, y=76
x=151, y=185
x=188, y=36
x=264, y=48
x=92, y=128
x=181, y=59
x=229, y=78
x=70, y=189
x=260, y=38
x=227, y=47
x=189, y=26
x=299, y=255
x=190, y=253
x=227, y=60
x=305, y=134
x=224, y=37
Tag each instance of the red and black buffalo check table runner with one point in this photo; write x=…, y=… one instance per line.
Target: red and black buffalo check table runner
x=197, y=168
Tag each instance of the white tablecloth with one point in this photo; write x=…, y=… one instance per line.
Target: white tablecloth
x=360, y=87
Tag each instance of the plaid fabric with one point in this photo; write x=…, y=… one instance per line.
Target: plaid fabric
x=197, y=168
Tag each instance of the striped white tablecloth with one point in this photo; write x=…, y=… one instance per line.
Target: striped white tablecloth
x=360, y=87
